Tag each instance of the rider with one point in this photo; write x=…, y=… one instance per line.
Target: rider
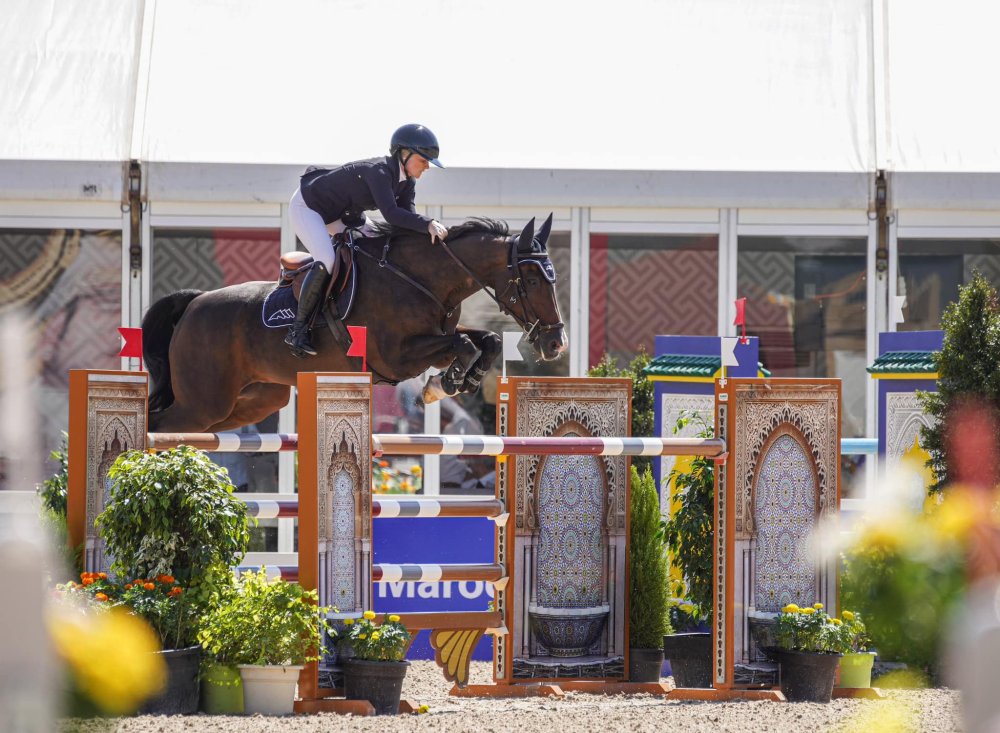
x=330, y=200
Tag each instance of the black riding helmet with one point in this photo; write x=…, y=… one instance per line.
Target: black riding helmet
x=418, y=139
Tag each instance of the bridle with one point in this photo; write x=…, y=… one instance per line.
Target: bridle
x=513, y=294
x=527, y=320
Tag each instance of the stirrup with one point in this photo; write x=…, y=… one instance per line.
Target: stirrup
x=299, y=343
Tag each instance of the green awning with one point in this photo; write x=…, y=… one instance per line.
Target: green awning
x=904, y=362
x=677, y=365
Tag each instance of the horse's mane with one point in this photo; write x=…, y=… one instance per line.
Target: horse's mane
x=475, y=225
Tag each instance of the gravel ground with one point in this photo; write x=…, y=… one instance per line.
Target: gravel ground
x=932, y=710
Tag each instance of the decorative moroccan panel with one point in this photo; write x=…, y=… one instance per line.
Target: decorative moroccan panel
x=570, y=510
x=904, y=417
x=815, y=414
x=785, y=515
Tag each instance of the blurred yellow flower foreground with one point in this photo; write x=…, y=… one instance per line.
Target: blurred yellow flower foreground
x=110, y=656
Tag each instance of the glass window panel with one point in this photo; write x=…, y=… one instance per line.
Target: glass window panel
x=931, y=272
x=806, y=300
x=642, y=285
x=68, y=282
x=207, y=259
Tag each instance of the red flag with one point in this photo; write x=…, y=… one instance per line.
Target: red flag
x=741, y=317
x=133, y=343
x=359, y=344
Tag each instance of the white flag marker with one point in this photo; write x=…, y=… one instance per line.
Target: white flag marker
x=510, y=351
x=729, y=351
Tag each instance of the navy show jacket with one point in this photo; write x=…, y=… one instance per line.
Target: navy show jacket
x=347, y=192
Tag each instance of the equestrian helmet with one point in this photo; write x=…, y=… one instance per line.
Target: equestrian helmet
x=418, y=139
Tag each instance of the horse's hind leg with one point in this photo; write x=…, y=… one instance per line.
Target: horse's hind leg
x=255, y=403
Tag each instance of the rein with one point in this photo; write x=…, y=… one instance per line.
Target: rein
x=527, y=321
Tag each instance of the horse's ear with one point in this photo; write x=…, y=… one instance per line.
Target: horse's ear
x=527, y=234
x=543, y=233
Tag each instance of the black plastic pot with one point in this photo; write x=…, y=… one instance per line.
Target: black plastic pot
x=380, y=683
x=180, y=696
x=644, y=665
x=690, y=658
x=807, y=676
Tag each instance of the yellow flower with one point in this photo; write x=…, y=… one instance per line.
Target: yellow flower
x=836, y=621
x=790, y=608
x=375, y=636
x=416, y=470
x=818, y=606
x=808, y=611
x=370, y=615
x=362, y=636
x=348, y=622
x=423, y=709
x=111, y=656
x=394, y=618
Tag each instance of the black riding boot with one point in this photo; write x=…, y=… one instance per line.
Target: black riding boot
x=310, y=298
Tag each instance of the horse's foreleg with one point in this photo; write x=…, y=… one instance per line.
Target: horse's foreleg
x=438, y=350
x=489, y=345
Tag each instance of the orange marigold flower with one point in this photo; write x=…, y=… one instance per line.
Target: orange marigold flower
x=88, y=581
x=148, y=586
x=383, y=464
x=102, y=576
x=175, y=591
x=169, y=579
x=101, y=596
x=128, y=586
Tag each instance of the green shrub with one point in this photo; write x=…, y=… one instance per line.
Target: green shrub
x=265, y=622
x=53, y=490
x=648, y=586
x=689, y=531
x=968, y=367
x=174, y=513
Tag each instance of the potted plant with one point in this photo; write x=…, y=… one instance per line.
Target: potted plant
x=688, y=534
x=648, y=589
x=856, y=664
x=173, y=514
x=376, y=670
x=810, y=646
x=268, y=628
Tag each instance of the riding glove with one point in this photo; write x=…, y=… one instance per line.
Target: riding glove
x=437, y=231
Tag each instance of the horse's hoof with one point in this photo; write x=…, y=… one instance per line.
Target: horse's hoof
x=433, y=391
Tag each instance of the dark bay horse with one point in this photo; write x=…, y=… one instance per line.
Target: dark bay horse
x=215, y=366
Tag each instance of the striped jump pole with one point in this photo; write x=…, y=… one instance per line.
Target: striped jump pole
x=417, y=506
x=225, y=442
x=495, y=445
x=452, y=445
x=417, y=573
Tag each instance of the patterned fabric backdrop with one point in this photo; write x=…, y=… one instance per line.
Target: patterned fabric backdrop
x=68, y=283
x=641, y=286
x=212, y=258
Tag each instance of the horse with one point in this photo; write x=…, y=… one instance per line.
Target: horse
x=214, y=365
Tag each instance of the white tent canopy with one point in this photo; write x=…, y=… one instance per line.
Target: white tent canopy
x=641, y=102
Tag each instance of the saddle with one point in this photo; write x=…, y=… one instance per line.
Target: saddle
x=343, y=283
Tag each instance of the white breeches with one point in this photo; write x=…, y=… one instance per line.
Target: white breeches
x=311, y=231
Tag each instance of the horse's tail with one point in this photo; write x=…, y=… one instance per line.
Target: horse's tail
x=157, y=330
